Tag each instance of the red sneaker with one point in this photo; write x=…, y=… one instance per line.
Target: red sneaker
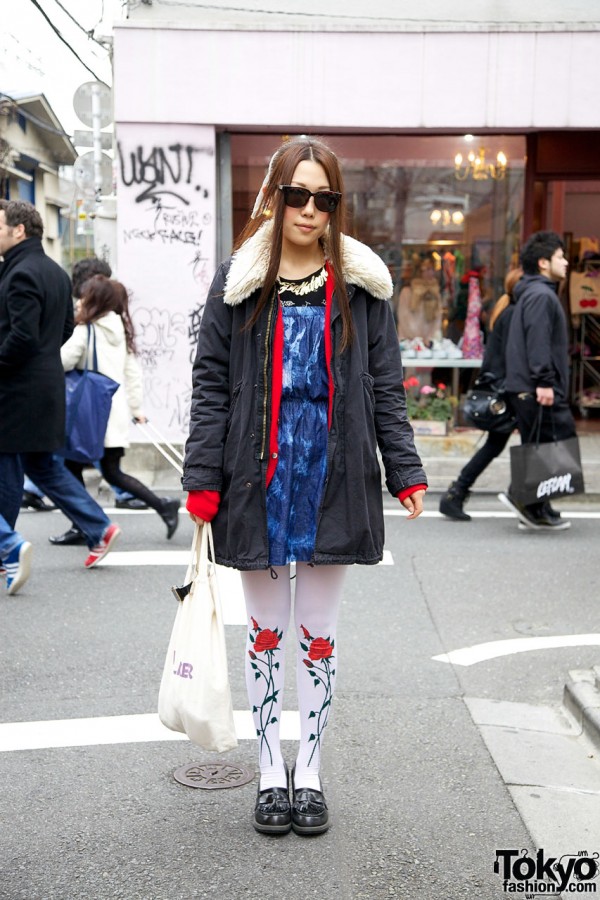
x=102, y=548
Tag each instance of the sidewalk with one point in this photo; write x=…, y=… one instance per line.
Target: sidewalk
x=443, y=458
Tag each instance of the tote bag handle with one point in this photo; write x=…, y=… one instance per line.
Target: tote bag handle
x=536, y=428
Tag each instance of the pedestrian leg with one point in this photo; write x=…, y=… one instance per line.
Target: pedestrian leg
x=15, y=551
x=166, y=507
x=316, y=605
x=69, y=495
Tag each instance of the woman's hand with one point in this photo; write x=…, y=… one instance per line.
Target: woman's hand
x=414, y=504
x=197, y=519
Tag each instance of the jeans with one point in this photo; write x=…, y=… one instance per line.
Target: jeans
x=9, y=538
x=48, y=472
x=30, y=487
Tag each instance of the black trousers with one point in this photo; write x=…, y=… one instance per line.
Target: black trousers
x=494, y=445
x=557, y=423
x=112, y=472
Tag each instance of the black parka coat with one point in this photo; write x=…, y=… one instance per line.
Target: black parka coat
x=537, y=349
x=36, y=318
x=228, y=449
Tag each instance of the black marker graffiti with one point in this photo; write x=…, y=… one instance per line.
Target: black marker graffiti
x=159, y=166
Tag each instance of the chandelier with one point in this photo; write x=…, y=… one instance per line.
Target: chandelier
x=478, y=168
x=445, y=217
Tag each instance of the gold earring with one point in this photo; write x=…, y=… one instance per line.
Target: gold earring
x=267, y=213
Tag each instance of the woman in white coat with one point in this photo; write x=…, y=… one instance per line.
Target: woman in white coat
x=104, y=306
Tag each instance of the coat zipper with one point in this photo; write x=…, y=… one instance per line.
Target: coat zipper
x=264, y=438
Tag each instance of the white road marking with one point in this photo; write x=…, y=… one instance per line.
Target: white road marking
x=119, y=730
x=181, y=558
x=490, y=514
x=230, y=583
x=468, y=656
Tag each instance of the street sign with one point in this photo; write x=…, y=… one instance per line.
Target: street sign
x=86, y=139
x=84, y=173
x=83, y=104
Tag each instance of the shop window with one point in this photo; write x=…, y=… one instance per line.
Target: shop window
x=410, y=201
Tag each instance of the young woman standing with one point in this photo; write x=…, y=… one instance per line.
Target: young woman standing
x=296, y=381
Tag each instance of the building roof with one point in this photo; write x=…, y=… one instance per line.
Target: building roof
x=420, y=16
x=36, y=109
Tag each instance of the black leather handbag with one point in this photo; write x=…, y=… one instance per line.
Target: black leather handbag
x=486, y=408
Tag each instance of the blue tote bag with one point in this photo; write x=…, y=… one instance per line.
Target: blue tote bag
x=89, y=398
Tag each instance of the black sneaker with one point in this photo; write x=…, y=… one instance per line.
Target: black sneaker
x=536, y=521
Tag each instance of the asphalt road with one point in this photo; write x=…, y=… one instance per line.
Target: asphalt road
x=430, y=766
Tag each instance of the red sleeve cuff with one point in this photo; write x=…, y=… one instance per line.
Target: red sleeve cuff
x=407, y=492
x=203, y=504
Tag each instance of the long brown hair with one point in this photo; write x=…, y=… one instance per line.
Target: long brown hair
x=281, y=171
x=101, y=295
x=509, y=285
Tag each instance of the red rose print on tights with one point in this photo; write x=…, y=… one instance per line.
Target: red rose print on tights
x=265, y=640
x=320, y=649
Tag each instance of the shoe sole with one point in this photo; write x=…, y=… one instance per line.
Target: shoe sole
x=455, y=518
x=562, y=527
x=313, y=829
x=24, y=570
x=272, y=829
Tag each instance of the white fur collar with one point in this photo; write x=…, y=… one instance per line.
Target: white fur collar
x=249, y=264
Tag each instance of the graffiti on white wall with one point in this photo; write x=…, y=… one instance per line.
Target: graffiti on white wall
x=166, y=247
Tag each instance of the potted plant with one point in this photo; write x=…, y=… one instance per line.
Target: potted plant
x=430, y=408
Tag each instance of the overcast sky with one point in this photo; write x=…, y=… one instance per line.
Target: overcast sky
x=32, y=56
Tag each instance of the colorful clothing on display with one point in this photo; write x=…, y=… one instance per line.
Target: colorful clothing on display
x=472, y=344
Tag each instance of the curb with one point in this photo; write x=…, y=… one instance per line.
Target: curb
x=581, y=697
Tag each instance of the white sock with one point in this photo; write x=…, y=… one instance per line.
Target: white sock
x=316, y=604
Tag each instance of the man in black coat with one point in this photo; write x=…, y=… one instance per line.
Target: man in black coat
x=36, y=318
x=537, y=362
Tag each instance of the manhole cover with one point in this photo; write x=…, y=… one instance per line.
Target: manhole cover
x=212, y=776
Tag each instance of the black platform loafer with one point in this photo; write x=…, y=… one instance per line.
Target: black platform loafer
x=131, y=503
x=309, y=811
x=272, y=812
x=32, y=501
x=169, y=513
x=68, y=539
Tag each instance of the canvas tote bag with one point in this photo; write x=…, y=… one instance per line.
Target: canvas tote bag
x=545, y=471
x=88, y=396
x=194, y=696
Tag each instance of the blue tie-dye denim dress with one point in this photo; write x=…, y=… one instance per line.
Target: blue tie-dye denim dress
x=295, y=492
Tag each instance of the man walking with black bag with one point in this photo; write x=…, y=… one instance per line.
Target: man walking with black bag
x=36, y=318
x=537, y=363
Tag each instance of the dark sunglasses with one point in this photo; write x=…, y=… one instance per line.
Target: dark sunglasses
x=297, y=197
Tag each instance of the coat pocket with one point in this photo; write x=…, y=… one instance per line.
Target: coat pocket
x=234, y=401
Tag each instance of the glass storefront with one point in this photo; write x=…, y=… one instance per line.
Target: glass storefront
x=418, y=200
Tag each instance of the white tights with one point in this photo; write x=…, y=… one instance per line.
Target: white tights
x=268, y=603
